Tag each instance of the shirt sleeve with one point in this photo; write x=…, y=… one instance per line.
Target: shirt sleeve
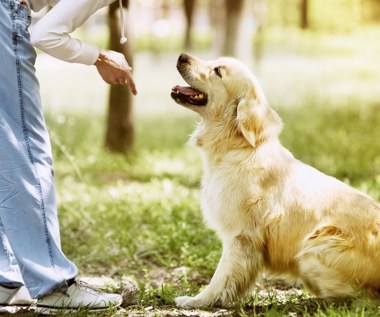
x=51, y=34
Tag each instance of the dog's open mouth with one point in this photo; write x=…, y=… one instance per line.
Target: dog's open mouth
x=189, y=95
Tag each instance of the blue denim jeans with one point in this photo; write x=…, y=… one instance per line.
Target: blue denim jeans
x=30, y=247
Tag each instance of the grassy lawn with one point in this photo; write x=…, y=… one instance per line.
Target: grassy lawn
x=138, y=215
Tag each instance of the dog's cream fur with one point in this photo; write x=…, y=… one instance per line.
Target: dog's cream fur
x=271, y=211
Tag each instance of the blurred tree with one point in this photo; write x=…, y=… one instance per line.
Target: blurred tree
x=233, y=15
x=370, y=10
x=304, y=8
x=225, y=17
x=260, y=12
x=189, y=13
x=322, y=15
x=120, y=130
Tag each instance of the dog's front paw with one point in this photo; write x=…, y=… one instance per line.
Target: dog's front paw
x=188, y=302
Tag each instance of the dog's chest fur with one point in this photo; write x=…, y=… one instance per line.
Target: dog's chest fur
x=228, y=195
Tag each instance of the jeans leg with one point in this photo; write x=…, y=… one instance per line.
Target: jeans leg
x=10, y=272
x=28, y=208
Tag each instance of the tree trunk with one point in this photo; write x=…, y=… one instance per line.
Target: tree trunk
x=120, y=131
x=233, y=14
x=304, y=14
x=260, y=11
x=188, y=6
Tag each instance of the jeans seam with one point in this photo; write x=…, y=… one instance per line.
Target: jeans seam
x=26, y=139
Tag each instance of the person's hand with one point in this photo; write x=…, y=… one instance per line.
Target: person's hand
x=114, y=69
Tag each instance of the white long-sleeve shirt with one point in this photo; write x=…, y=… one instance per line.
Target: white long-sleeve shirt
x=51, y=33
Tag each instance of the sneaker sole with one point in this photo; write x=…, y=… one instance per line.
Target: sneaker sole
x=55, y=311
x=13, y=309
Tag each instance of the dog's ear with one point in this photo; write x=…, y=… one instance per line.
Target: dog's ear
x=257, y=121
x=249, y=120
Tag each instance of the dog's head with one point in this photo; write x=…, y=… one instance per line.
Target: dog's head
x=228, y=97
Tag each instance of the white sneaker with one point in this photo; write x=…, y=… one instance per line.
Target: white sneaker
x=78, y=296
x=18, y=296
x=13, y=300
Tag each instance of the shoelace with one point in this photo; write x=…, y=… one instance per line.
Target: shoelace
x=89, y=288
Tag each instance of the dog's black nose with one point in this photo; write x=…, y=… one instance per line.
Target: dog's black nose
x=183, y=59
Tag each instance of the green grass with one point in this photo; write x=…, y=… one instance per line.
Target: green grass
x=127, y=212
x=138, y=214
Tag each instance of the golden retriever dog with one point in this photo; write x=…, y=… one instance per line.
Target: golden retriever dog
x=271, y=211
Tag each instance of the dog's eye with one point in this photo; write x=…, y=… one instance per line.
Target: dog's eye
x=218, y=72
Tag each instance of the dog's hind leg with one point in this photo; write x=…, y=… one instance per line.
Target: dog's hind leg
x=331, y=266
x=238, y=267
x=322, y=280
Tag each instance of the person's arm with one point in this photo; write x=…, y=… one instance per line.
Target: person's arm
x=51, y=34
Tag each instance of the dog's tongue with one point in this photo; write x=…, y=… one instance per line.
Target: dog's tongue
x=187, y=91
x=189, y=94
